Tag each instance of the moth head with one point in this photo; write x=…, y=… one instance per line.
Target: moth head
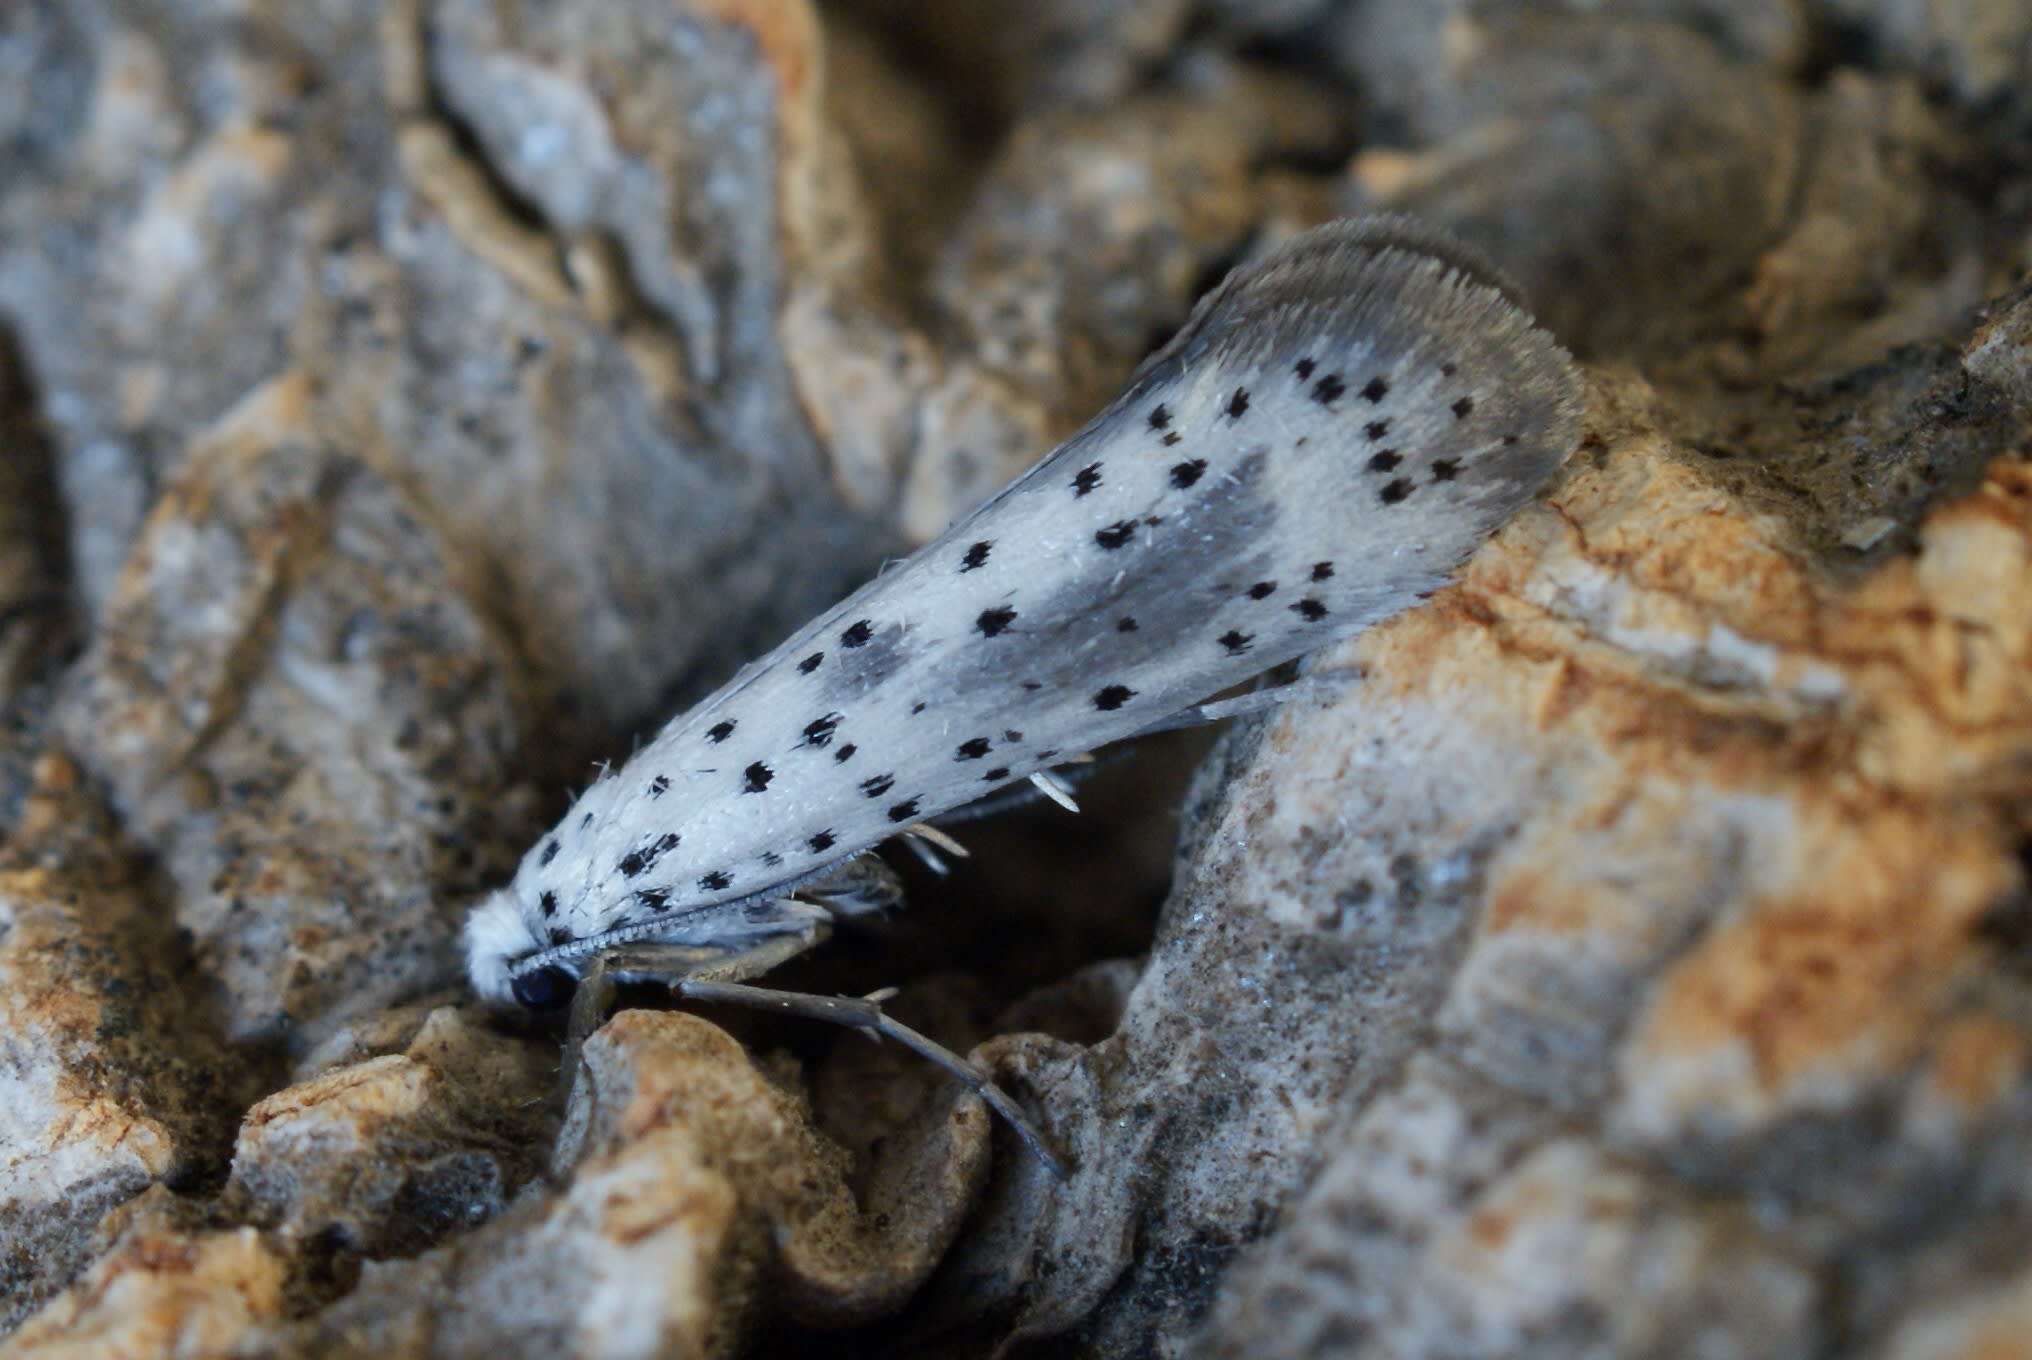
x=498, y=938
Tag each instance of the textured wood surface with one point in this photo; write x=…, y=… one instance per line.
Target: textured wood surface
x=403, y=406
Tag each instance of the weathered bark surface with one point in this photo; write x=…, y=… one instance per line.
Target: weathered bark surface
x=403, y=406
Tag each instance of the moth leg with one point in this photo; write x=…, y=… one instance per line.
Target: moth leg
x=713, y=976
x=866, y=1013
x=1309, y=685
x=1057, y=783
x=862, y=884
x=591, y=1004
x=660, y=963
x=1025, y=793
x=605, y=973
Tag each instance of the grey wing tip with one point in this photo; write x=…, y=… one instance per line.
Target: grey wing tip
x=1391, y=284
x=1355, y=239
x=1405, y=285
x=1339, y=263
x=1394, y=271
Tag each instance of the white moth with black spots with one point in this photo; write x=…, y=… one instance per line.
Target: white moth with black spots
x=1332, y=431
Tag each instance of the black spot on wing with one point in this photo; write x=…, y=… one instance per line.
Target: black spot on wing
x=1113, y=697
x=720, y=731
x=642, y=856
x=1445, y=469
x=1262, y=590
x=717, y=881
x=811, y=663
x=547, y=903
x=993, y=621
x=1116, y=535
x=1303, y=368
x=857, y=634
x=1309, y=609
x=1086, y=479
x=845, y=753
x=1080, y=632
x=1160, y=417
x=1238, y=404
x=658, y=787
x=756, y=778
x=818, y=733
x=976, y=556
x=866, y=661
x=904, y=811
x=973, y=748
x=549, y=852
x=1385, y=461
x=1235, y=641
x=1170, y=438
x=996, y=775
x=1376, y=429
x=877, y=785
x=1322, y=571
x=1375, y=390
x=1184, y=475
x=822, y=842
x=1463, y=408
x=1395, y=492
x=1328, y=389
x=653, y=899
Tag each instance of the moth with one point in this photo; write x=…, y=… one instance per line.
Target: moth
x=1333, y=429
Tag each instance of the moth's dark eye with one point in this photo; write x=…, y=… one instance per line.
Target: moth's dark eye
x=545, y=989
